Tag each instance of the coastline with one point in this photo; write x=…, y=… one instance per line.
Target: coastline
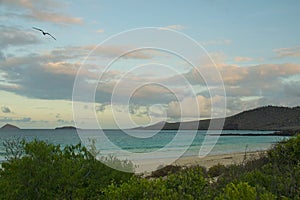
x=211, y=160
x=207, y=161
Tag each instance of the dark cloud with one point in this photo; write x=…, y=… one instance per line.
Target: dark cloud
x=2, y=56
x=292, y=88
x=13, y=36
x=5, y=109
x=29, y=77
x=62, y=121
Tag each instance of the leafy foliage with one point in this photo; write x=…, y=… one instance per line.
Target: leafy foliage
x=14, y=148
x=186, y=184
x=47, y=172
x=243, y=191
x=281, y=175
x=166, y=170
x=216, y=170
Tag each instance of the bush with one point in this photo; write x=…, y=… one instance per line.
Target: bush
x=243, y=191
x=216, y=170
x=47, y=172
x=140, y=188
x=187, y=184
x=279, y=182
x=166, y=170
x=286, y=153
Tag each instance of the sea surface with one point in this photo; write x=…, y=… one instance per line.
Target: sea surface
x=149, y=144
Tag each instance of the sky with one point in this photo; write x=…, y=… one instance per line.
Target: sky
x=254, y=46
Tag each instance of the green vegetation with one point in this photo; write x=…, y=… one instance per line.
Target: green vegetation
x=183, y=185
x=45, y=171
x=243, y=191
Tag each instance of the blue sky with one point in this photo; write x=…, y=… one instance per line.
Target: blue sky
x=255, y=45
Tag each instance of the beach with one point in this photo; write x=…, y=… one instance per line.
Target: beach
x=211, y=160
x=207, y=161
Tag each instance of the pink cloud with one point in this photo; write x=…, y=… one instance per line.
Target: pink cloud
x=288, y=52
x=177, y=27
x=36, y=10
x=242, y=59
x=217, y=42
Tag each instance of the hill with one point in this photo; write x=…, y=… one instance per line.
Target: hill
x=9, y=127
x=262, y=118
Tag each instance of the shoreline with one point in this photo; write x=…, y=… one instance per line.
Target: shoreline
x=207, y=161
x=225, y=159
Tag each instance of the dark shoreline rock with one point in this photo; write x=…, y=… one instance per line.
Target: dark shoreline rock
x=66, y=127
x=9, y=127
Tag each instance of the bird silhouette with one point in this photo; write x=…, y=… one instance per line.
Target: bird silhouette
x=44, y=33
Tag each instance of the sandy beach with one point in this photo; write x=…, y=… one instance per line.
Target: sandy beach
x=207, y=161
x=211, y=160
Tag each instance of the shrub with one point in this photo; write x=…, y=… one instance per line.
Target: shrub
x=48, y=172
x=164, y=171
x=243, y=191
x=140, y=188
x=187, y=184
x=286, y=153
x=216, y=170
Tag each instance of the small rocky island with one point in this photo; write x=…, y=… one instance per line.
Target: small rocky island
x=66, y=128
x=9, y=127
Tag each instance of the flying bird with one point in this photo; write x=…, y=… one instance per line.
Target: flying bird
x=44, y=33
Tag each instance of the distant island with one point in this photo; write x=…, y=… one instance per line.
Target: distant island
x=272, y=118
x=66, y=127
x=9, y=127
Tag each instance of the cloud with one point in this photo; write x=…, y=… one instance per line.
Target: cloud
x=13, y=36
x=177, y=27
x=9, y=120
x=53, y=17
x=2, y=56
x=242, y=59
x=36, y=10
x=291, y=88
x=287, y=52
x=195, y=107
x=5, y=109
x=101, y=108
x=234, y=75
x=100, y=31
x=259, y=81
x=112, y=51
x=29, y=76
x=216, y=42
x=62, y=121
x=109, y=51
x=51, y=75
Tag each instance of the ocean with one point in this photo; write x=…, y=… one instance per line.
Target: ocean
x=149, y=144
x=140, y=141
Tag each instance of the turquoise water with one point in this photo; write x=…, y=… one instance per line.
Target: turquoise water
x=141, y=141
